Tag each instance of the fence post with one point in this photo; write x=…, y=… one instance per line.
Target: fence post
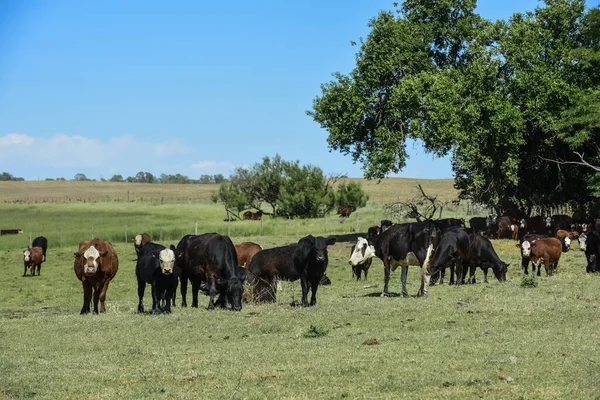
x=195, y=227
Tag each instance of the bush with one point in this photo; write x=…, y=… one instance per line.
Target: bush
x=315, y=331
x=529, y=281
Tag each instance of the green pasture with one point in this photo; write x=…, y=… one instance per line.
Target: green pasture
x=493, y=340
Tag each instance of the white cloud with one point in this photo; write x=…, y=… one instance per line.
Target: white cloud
x=213, y=167
x=15, y=139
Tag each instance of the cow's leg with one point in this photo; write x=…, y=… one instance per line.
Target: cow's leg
x=183, y=289
x=403, y=276
x=365, y=272
x=443, y=275
x=425, y=272
x=25, y=270
x=96, y=299
x=386, y=275
x=485, y=274
x=314, y=287
x=212, y=292
x=102, y=296
x=87, y=298
x=525, y=265
x=304, y=284
x=547, y=267
x=195, y=290
x=32, y=270
x=141, y=290
x=472, y=269
x=173, y=295
x=39, y=267
x=155, y=298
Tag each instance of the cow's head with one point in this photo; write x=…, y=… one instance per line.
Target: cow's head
x=137, y=240
x=523, y=223
x=500, y=271
x=567, y=243
x=26, y=255
x=233, y=289
x=93, y=260
x=583, y=242
x=526, y=249
x=312, y=248
x=166, y=257
x=548, y=222
x=362, y=252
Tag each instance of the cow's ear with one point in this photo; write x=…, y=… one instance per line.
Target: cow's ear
x=507, y=265
x=331, y=241
x=172, y=248
x=76, y=254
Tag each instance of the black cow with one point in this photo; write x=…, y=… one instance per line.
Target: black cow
x=446, y=223
x=525, y=247
x=558, y=222
x=482, y=255
x=42, y=242
x=360, y=267
x=401, y=245
x=452, y=251
x=306, y=260
x=538, y=224
x=156, y=266
x=479, y=224
x=210, y=258
x=385, y=224
x=592, y=252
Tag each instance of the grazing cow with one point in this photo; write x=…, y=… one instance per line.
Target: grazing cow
x=96, y=264
x=156, y=266
x=360, y=267
x=139, y=241
x=446, y=223
x=210, y=258
x=560, y=222
x=253, y=216
x=307, y=260
x=548, y=251
x=482, y=254
x=344, y=212
x=10, y=231
x=32, y=258
x=525, y=247
x=42, y=242
x=401, y=245
x=592, y=252
x=385, y=224
x=245, y=251
x=373, y=231
x=451, y=252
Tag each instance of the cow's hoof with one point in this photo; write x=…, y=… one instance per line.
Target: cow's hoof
x=384, y=294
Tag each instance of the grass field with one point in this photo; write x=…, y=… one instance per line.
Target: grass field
x=500, y=341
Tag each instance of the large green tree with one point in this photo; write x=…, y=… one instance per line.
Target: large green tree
x=501, y=97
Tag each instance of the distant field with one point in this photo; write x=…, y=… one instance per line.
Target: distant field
x=388, y=190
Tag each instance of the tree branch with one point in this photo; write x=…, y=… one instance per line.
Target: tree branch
x=583, y=162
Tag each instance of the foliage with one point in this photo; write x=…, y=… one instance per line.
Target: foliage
x=315, y=331
x=262, y=182
x=232, y=197
x=506, y=99
x=81, y=177
x=350, y=195
x=117, y=178
x=529, y=281
x=5, y=176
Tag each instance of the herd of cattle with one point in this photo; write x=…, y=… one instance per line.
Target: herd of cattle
x=212, y=264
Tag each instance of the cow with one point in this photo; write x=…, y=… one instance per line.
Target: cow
x=253, y=216
x=373, y=231
x=401, y=245
x=452, y=252
x=156, y=266
x=491, y=222
x=446, y=223
x=10, y=231
x=32, y=258
x=96, y=264
x=42, y=242
x=306, y=260
x=504, y=227
x=525, y=247
x=592, y=252
x=360, y=268
x=139, y=241
x=582, y=241
x=548, y=251
x=566, y=238
x=344, y=212
x=210, y=258
x=479, y=224
x=537, y=224
x=482, y=254
x=245, y=251
x=385, y=224
x=514, y=228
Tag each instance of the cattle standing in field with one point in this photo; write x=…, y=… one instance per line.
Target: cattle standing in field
x=479, y=224
x=592, y=252
x=560, y=222
x=42, y=242
x=32, y=258
x=566, y=238
x=504, y=230
x=547, y=251
x=156, y=266
x=306, y=260
x=482, y=254
x=401, y=245
x=514, y=228
x=253, y=216
x=451, y=252
x=525, y=248
x=96, y=264
x=373, y=231
x=210, y=258
x=344, y=212
x=538, y=224
x=139, y=241
x=245, y=251
x=360, y=267
x=446, y=223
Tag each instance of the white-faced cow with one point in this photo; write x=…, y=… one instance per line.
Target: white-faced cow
x=32, y=259
x=400, y=246
x=140, y=240
x=156, y=266
x=525, y=247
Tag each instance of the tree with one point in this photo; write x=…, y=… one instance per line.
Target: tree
x=351, y=196
x=262, y=182
x=218, y=179
x=117, y=178
x=145, y=177
x=231, y=196
x=80, y=177
x=496, y=96
x=206, y=179
x=5, y=176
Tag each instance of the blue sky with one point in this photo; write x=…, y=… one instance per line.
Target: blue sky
x=191, y=87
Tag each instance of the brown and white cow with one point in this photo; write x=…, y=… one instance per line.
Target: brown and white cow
x=566, y=238
x=96, y=264
x=245, y=251
x=32, y=258
x=253, y=216
x=140, y=240
x=547, y=251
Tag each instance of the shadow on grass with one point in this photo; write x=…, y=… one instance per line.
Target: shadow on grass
x=378, y=294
